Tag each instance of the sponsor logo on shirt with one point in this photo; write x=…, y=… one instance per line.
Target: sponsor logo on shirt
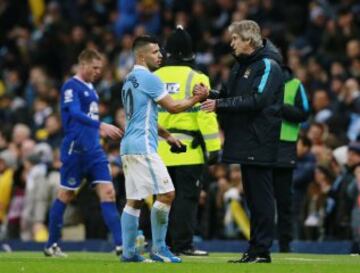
x=94, y=111
x=68, y=95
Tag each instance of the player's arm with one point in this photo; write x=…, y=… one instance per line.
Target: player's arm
x=71, y=100
x=171, y=140
x=72, y=103
x=178, y=106
x=105, y=129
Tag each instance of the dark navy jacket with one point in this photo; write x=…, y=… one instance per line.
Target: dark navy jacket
x=249, y=108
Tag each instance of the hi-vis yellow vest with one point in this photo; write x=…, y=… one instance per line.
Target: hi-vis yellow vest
x=180, y=81
x=290, y=130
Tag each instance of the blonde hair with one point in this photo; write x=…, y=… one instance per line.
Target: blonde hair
x=248, y=30
x=87, y=55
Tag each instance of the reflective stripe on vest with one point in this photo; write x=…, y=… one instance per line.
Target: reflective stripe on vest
x=290, y=130
x=188, y=84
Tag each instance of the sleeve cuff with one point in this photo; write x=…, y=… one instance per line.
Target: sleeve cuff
x=163, y=94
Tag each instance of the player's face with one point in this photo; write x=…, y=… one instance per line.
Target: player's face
x=238, y=45
x=92, y=70
x=153, y=57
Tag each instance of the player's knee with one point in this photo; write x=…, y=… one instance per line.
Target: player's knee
x=167, y=198
x=171, y=196
x=107, y=194
x=136, y=204
x=66, y=196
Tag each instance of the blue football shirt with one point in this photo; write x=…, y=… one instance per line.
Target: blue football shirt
x=80, y=116
x=141, y=90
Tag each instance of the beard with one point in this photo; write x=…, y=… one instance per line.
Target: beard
x=153, y=67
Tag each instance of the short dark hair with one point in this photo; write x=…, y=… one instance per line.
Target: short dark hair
x=87, y=55
x=142, y=41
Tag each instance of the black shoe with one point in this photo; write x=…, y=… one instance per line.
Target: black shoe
x=118, y=250
x=252, y=259
x=193, y=252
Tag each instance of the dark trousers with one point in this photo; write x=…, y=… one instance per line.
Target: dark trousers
x=282, y=181
x=184, y=208
x=258, y=188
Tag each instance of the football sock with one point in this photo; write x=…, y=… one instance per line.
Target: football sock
x=112, y=220
x=130, y=225
x=55, y=222
x=159, y=224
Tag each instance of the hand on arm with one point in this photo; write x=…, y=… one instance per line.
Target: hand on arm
x=176, y=145
x=177, y=106
x=170, y=139
x=208, y=106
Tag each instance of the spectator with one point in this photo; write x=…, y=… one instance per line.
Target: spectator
x=7, y=166
x=354, y=194
x=315, y=209
x=303, y=175
x=340, y=211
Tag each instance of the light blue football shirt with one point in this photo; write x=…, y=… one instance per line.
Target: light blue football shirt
x=140, y=92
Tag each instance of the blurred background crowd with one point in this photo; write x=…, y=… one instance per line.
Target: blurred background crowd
x=39, y=44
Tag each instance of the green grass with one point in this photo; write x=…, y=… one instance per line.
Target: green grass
x=90, y=262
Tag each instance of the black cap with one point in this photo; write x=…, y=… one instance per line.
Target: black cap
x=179, y=45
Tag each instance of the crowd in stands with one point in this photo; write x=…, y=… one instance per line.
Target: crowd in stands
x=40, y=41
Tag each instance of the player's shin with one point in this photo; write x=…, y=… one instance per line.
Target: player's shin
x=112, y=221
x=129, y=226
x=55, y=222
x=159, y=224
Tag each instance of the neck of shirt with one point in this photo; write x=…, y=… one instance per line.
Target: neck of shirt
x=138, y=66
x=84, y=82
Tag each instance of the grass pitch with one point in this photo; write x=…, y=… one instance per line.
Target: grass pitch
x=90, y=262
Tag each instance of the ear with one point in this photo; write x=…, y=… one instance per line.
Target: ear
x=141, y=52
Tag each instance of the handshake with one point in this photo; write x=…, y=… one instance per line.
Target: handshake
x=202, y=91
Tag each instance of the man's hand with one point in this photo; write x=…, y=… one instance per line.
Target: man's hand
x=173, y=141
x=176, y=145
x=108, y=130
x=201, y=91
x=208, y=106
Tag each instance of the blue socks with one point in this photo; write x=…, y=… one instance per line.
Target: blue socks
x=159, y=224
x=55, y=222
x=112, y=220
x=130, y=225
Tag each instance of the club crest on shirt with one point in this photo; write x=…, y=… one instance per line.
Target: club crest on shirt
x=247, y=73
x=72, y=181
x=86, y=93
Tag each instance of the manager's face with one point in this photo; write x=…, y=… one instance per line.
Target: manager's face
x=238, y=45
x=153, y=57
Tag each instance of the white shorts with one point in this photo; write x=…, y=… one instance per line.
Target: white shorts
x=145, y=175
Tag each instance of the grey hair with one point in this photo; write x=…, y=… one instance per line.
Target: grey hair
x=248, y=30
